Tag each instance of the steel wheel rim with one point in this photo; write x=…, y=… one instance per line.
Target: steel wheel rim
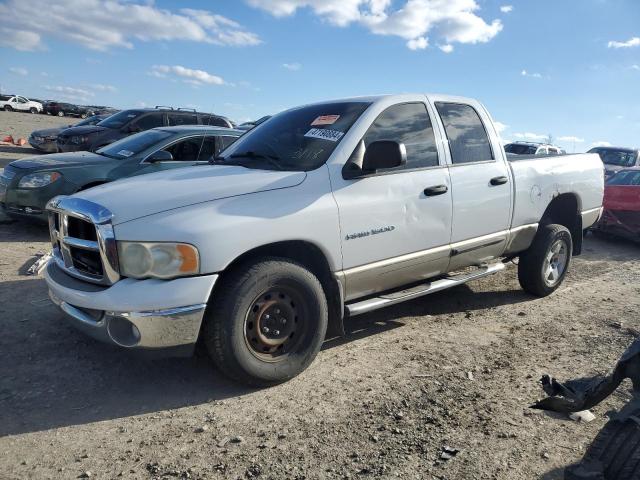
x=555, y=262
x=274, y=324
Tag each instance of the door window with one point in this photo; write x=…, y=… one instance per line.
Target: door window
x=468, y=139
x=149, y=121
x=408, y=123
x=22, y=100
x=224, y=142
x=182, y=119
x=187, y=150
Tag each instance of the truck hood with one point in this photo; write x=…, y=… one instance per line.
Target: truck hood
x=59, y=160
x=144, y=195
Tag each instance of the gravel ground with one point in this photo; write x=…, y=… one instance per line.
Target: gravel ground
x=381, y=402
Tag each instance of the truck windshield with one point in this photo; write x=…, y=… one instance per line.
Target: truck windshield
x=300, y=139
x=134, y=144
x=118, y=120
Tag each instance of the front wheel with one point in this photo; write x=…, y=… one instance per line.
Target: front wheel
x=543, y=266
x=33, y=110
x=61, y=113
x=266, y=322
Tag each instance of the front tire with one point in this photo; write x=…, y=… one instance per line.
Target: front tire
x=33, y=110
x=542, y=268
x=61, y=113
x=266, y=322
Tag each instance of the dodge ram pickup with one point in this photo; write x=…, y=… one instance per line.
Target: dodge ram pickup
x=320, y=213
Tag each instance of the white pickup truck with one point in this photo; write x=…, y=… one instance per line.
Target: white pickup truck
x=320, y=213
x=17, y=103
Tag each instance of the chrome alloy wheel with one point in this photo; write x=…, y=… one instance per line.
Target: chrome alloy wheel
x=555, y=263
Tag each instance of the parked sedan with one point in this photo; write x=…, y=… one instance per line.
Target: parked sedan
x=45, y=140
x=621, y=214
x=68, y=109
x=27, y=185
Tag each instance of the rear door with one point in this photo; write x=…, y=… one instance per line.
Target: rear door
x=396, y=223
x=480, y=183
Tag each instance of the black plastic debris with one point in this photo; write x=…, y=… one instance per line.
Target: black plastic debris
x=615, y=452
x=448, y=453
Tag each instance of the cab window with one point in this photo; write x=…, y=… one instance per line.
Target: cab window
x=182, y=119
x=187, y=150
x=468, y=139
x=407, y=123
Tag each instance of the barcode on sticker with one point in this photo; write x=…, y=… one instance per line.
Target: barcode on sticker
x=324, y=134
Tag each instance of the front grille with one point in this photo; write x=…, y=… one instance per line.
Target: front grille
x=82, y=239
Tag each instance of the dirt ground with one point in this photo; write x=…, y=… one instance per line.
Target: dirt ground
x=378, y=403
x=18, y=124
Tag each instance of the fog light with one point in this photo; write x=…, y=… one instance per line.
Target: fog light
x=123, y=332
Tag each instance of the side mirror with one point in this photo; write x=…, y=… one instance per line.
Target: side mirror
x=160, y=156
x=382, y=154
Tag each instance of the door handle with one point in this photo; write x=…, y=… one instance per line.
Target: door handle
x=435, y=190
x=498, y=181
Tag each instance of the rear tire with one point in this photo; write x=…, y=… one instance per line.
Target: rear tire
x=266, y=322
x=542, y=268
x=7, y=108
x=61, y=113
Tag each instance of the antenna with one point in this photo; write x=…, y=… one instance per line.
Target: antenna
x=205, y=134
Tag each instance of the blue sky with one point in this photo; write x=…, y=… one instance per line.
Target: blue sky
x=569, y=68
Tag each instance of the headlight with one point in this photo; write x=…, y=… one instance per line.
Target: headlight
x=37, y=180
x=79, y=140
x=158, y=260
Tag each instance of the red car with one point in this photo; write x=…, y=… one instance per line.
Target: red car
x=621, y=214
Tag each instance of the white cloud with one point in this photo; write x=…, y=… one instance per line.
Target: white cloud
x=419, y=43
x=70, y=93
x=506, y=8
x=571, y=139
x=601, y=144
x=104, y=24
x=525, y=73
x=19, y=71
x=500, y=127
x=632, y=42
x=530, y=136
x=448, y=48
x=454, y=21
x=635, y=67
x=104, y=88
x=188, y=75
x=294, y=67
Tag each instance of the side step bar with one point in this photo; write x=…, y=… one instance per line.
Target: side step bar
x=385, y=300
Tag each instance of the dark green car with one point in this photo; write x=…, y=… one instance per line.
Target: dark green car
x=27, y=185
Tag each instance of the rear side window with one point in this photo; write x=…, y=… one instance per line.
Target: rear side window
x=468, y=139
x=214, y=121
x=149, y=121
x=408, y=123
x=182, y=119
x=225, y=141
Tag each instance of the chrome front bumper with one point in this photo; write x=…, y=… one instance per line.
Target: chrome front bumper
x=120, y=315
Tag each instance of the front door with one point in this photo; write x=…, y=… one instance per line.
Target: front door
x=481, y=184
x=395, y=224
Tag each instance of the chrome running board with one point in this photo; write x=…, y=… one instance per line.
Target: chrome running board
x=387, y=299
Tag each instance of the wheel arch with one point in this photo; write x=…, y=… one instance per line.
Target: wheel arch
x=311, y=257
x=565, y=209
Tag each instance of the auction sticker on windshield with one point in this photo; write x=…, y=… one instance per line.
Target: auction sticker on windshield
x=324, y=134
x=325, y=120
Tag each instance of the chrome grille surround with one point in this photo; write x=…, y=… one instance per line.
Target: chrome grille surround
x=60, y=209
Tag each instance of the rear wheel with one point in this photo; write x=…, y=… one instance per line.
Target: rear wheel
x=61, y=113
x=266, y=322
x=83, y=115
x=8, y=108
x=542, y=268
